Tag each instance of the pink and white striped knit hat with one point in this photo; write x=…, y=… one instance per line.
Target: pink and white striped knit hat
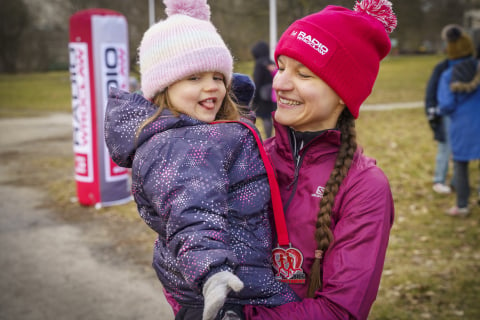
x=185, y=43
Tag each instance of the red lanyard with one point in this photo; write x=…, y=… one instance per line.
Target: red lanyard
x=278, y=214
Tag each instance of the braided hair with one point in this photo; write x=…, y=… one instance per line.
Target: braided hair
x=323, y=233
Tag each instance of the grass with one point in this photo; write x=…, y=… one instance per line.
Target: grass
x=433, y=261
x=402, y=79
x=36, y=93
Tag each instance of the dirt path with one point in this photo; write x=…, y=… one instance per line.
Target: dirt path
x=57, y=268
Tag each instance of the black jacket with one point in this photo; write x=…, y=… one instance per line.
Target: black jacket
x=431, y=104
x=262, y=78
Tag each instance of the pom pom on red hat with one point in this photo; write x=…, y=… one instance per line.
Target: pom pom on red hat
x=380, y=10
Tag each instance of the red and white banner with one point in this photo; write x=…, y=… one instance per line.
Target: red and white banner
x=99, y=60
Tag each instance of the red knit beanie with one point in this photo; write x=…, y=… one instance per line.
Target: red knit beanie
x=343, y=47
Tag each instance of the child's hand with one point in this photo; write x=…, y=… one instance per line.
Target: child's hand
x=215, y=292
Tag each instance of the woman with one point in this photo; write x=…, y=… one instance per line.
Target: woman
x=338, y=203
x=459, y=98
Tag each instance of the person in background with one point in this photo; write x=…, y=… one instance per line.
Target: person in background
x=243, y=90
x=198, y=178
x=338, y=203
x=439, y=125
x=459, y=97
x=262, y=77
x=273, y=70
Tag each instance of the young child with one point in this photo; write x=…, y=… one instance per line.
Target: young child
x=201, y=186
x=243, y=90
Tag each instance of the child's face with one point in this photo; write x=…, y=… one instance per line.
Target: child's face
x=304, y=101
x=199, y=96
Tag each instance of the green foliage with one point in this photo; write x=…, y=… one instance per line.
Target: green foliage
x=433, y=259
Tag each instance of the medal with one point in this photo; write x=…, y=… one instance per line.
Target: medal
x=286, y=262
x=288, y=265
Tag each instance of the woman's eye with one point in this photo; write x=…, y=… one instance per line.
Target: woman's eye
x=304, y=75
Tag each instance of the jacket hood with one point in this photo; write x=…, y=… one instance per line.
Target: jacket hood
x=261, y=49
x=125, y=113
x=465, y=76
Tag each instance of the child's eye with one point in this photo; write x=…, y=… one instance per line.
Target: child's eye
x=218, y=77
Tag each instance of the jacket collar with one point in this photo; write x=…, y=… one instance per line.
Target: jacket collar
x=327, y=142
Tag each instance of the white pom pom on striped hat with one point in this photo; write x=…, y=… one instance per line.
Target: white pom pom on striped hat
x=185, y=43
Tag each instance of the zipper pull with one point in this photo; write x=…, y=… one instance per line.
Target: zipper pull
x=295, y=174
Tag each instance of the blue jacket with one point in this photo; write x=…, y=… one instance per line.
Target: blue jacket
x=463, y=107
x=203, y=188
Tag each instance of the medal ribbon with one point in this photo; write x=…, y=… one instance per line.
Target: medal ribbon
x=278, y=214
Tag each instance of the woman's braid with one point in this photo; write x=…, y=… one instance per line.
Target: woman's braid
x=323, y=233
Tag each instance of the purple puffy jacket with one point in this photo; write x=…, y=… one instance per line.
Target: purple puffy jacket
x=203, y=188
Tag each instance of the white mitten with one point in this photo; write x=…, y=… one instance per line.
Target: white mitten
x=215, y=291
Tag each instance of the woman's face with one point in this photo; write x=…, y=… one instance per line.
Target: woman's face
x=304, y=101
x=199, y=96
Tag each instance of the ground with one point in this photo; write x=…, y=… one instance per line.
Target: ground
x=64, y=263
